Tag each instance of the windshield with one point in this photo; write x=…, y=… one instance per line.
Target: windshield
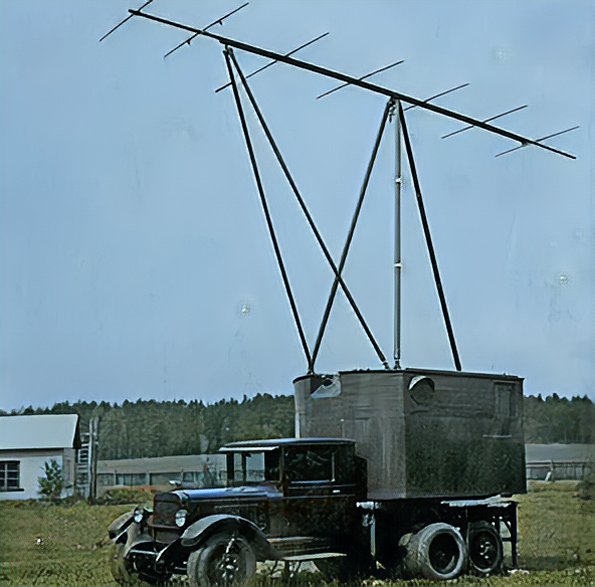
x=252, y=467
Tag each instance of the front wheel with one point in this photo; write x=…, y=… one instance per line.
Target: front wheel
x=121, y=569
x=223, y=561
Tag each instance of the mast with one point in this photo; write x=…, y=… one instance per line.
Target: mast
x=398, y=179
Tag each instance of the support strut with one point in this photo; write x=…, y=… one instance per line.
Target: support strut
x=265, y=208
x=305, y=210
x=428, y=237
x=347, y=245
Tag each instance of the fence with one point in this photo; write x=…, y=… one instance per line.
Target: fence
x=558, y=470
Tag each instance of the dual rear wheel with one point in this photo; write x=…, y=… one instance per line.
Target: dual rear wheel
x=439, y=551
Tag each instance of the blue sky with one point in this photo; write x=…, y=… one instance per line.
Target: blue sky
x=131, y=234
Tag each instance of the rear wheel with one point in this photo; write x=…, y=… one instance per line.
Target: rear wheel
x=485, y=549
x=223, y=561
x=436, y=552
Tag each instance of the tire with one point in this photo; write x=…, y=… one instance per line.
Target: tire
x=121, y=569
x=436, y=552
x=124, y=574
x=486, y=552
x=222, y=561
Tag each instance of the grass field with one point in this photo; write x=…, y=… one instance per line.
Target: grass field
x=42, y=544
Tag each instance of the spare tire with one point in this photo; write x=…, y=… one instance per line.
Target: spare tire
x=436, y=552
x=485, y=548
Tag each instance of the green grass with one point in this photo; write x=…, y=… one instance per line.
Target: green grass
x=44, y=544
x=557, y=544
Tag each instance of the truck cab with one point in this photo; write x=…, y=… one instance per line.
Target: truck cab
x=285, y=499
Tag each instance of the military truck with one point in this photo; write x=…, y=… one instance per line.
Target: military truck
x=395, y=472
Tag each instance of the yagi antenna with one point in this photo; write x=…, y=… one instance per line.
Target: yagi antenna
x=189, y=40
x=556, y=134
x=363, y=77
x=228, y=84
x=470, y=126
x=124, y=21
x=366, y=85
x=439, y=95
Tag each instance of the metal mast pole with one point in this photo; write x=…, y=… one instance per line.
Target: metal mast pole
x=397, y=250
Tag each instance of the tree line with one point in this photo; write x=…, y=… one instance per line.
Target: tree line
x=150, y=428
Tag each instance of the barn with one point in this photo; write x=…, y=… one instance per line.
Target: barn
x=27, y=443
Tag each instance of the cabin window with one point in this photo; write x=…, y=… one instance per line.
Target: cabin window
x=9, y=475
x=310, y=464
x=254, y=467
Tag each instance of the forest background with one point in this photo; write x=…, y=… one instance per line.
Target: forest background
x=149, y=428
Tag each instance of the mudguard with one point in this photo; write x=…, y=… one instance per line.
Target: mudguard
x=119, y=526
x=202, y=529
x=133, y=536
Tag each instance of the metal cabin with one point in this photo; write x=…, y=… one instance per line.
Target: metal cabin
x=424, y=433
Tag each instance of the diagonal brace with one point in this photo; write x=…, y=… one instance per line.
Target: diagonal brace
x=350, y=234
x=305, y=210
x=428, y=237
x=265, y=209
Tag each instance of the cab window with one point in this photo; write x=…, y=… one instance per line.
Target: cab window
x=252, y=467
x=309, y=464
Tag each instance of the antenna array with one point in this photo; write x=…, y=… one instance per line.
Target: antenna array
x=394, y=106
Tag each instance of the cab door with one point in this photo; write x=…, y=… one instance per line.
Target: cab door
x=318, y=495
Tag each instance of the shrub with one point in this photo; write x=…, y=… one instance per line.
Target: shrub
x=125, y=496
x=586, y=488
x=52, y=483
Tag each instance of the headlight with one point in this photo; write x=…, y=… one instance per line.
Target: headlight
x=181, y=518
x=138, y=515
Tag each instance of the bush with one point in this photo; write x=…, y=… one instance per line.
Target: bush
x=586, y=488
x=52, y=484
x=124, y=496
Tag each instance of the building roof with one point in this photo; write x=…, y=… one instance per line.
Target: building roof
x=39, y=432
x=577, y=453
x=169, y=464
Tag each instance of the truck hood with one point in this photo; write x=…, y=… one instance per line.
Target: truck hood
x=216, y=493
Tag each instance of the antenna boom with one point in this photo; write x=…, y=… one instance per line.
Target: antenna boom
x=354, y=81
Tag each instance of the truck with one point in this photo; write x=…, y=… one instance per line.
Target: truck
x=401, y=472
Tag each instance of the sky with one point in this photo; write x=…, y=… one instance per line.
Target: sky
x=134, y=256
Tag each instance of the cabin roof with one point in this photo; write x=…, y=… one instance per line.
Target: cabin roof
x=273, y=443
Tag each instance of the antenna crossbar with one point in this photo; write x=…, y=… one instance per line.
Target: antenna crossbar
x=469, y=127
x=209, y=26
x=368, y=75
x=439, y=95
x=115, y=28
x=556, y=134
x=524, y=141
x=270, y=63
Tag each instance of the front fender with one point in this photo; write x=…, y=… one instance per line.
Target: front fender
x=133, y=536
x=202, y=529
x=120, y=525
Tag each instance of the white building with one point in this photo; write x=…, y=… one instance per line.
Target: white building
x=27, y=443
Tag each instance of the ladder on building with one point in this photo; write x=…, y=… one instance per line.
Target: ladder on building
x=86, y=468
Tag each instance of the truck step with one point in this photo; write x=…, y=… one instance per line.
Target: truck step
x=313, y=557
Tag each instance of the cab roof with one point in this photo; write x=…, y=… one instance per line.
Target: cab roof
x=273, y=443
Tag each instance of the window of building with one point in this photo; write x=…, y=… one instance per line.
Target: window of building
x=9, y=475
x=131, y=479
